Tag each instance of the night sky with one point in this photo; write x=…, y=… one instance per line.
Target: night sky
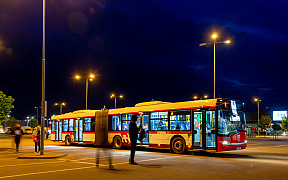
x=143, y=50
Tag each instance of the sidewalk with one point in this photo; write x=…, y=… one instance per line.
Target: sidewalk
x=47, y=155
x=283, y=138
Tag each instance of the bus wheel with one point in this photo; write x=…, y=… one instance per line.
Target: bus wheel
x=67, y=140
x=178, y=145
x=117, y=142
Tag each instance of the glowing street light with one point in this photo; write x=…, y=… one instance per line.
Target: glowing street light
x=115, y=97
x=258, y=103
x=87, y=78
x=37, y=112
x=60, y=104
x=214, y=36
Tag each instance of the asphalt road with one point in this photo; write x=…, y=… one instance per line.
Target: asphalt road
x=263, y=159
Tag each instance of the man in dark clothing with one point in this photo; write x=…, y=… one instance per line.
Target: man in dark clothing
x=17, y=133
x=133, y=133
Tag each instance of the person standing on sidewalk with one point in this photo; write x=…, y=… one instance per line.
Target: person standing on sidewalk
x=133, y=133
x=17, y=133
x=36, y=139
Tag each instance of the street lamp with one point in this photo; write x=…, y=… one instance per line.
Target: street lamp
x=214, y=36
x=258, y=103
x=200, y=98
x=87, y=78
x=114, y=96
x=60, y=104
x=37, y=112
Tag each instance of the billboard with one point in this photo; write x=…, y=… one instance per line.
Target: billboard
x=279, y=115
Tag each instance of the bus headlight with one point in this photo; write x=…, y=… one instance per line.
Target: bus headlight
x=245, y=141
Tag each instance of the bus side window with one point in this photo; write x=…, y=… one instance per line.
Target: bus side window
x=116, y=123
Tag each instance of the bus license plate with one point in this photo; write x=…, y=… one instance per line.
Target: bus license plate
x=238, y=148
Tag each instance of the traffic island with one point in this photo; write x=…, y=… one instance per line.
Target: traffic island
x=38, y=156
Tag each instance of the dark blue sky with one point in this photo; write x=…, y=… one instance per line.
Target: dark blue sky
x=144, y=50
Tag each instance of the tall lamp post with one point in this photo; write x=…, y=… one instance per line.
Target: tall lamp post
x=214, y=36
x=61, y=105
x=87, y=78
x=43, y=102
x=115, y=97
x=258, y=103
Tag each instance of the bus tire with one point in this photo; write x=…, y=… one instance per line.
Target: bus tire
x=178, y=145
x=117, y=142
x=67, y=140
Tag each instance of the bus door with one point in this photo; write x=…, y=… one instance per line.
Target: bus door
x=60, y=130
x=78, y=130
x=204, y=129
x=210, y=129
x=56, y=130
x=145, y=124
x=197, y=129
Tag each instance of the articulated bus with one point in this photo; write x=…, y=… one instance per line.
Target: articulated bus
x=216, y=124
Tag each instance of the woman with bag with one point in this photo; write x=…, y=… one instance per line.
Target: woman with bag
x=36, y=139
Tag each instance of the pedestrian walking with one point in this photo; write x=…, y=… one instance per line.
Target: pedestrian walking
x=101, y=135
x=36, y=139
x=17, y=133
x=133, y=133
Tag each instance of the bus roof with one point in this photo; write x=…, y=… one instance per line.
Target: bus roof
x=75, y=114
x=164, y=106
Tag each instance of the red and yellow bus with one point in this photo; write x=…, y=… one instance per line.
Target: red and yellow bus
x=216, y=124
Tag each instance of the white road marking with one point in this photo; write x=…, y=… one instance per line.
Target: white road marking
x=270, y=161
x=127, y=162
x=80, y=168
x=26, y=164
x=280, y=145
x=45, y=172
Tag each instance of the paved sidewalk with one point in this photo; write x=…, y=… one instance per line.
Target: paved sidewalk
x=46, y=155
x=282, y=138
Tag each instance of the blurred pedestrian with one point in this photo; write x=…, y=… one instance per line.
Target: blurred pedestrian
x=107, y=154
x=133, y=133
x=36, y=139
x=17, y=133
x=101, y=133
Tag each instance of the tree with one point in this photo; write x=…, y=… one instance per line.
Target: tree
x=11, y=122
x=264, y=122
x=5, y=106
x=276, y=127
x=285, y=123
x=34, y=122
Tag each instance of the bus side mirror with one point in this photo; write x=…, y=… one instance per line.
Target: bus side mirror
x=213, y=132
x=194, y=131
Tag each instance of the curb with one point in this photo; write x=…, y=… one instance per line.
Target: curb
x=38, y=156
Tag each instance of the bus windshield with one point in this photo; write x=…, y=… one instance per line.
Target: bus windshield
x=231, y=122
